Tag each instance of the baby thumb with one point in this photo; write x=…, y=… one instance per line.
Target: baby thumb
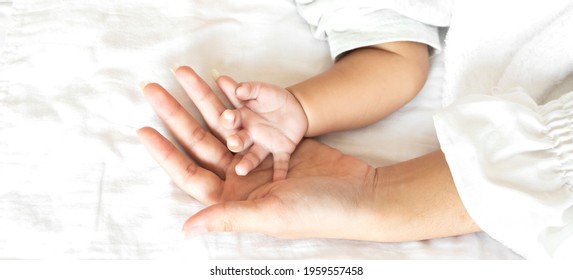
x=248, y=90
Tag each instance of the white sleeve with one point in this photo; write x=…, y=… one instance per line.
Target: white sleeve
x=348, y=25
x=512, y=163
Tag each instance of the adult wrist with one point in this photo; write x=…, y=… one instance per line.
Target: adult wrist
x=417, y=200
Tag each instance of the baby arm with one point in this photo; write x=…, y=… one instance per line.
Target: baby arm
x=362, y=87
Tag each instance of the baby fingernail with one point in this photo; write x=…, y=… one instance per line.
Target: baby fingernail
x=240, y=171
x=233, y=142
x=228, y=116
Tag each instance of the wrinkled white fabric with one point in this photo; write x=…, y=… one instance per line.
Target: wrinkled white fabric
x=5, y=8
x=348, y=25
x=513, y=163
x=508, y=130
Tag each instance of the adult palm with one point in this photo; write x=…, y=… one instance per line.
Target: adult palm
x=325, y=192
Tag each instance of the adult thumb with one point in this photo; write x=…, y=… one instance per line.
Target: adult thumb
x=232, y=216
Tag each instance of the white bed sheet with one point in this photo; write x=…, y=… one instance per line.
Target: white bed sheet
x=76, y=183
x=5, y=8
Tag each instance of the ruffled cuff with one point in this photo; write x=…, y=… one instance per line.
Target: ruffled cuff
x=512, y=162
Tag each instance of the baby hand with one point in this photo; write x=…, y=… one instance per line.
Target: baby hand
x=268, y=119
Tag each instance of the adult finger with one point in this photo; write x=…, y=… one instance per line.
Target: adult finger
x=200, y=183
x=235, y=216
x=204, y=98
x=201, y=145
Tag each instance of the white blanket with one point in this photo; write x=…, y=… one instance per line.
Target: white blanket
x=76, y=183
x=508, y=132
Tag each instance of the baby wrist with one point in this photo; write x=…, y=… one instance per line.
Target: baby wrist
x=298, y=98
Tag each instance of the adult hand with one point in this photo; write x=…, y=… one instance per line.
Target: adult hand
x=326, y=194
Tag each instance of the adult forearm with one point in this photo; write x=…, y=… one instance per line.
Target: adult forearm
x=363, y=87
x=418, y=200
